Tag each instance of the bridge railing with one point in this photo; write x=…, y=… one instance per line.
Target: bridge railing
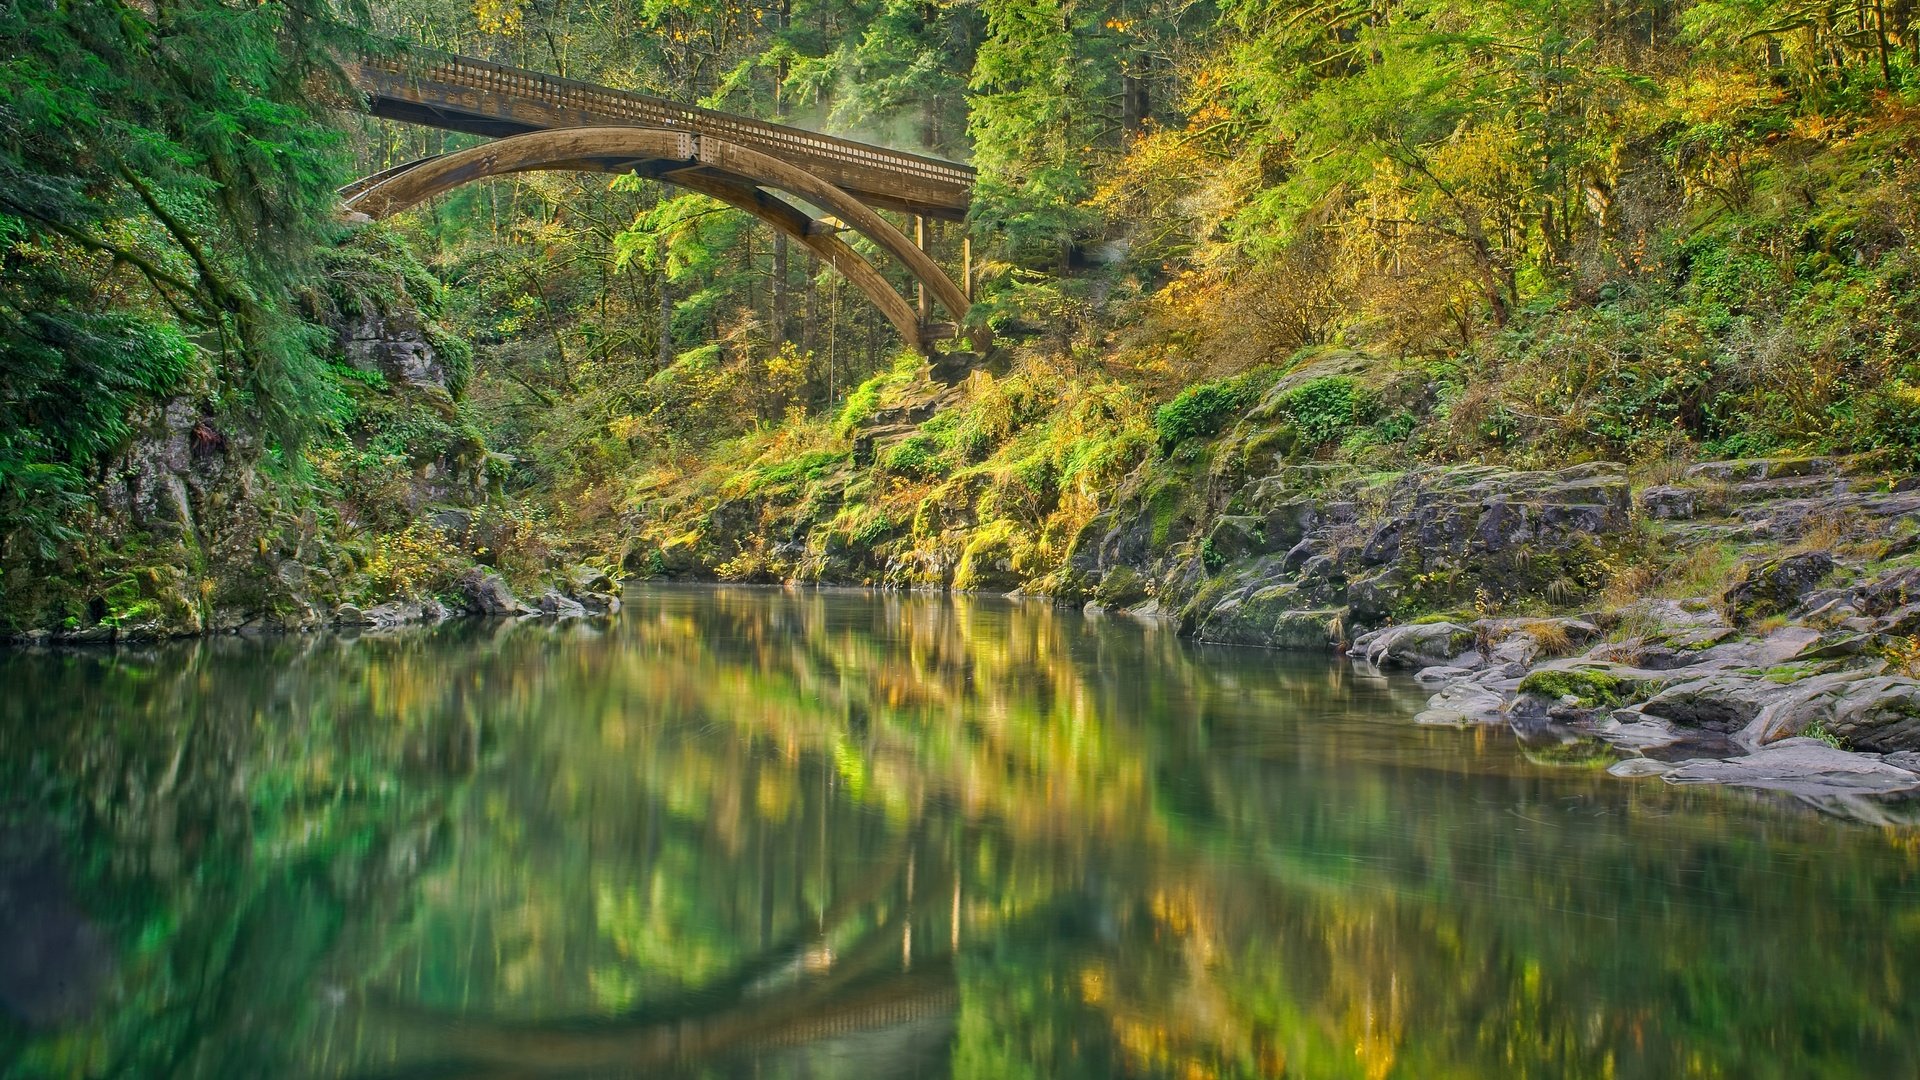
x=511, y=83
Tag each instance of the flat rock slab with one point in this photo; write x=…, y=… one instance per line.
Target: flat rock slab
x=1801, y=767
x=1464, y=703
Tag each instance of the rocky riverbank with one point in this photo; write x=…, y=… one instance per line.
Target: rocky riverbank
x=197, y=526
x=1748, y=622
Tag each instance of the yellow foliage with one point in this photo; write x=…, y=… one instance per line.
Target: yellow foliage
x=409, y=563
x=499, y=16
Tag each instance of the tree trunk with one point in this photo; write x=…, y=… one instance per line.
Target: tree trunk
x=780, y=302
x=666, y=322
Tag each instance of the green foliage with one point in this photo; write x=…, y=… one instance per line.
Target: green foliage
x=163, y=180
x=1204, y=409
x=865, y=398
x=917, y=456
x=1327, y=407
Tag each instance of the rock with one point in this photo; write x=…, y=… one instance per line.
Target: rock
x=1889, y=592
x=1464, y=703
x=1120, y=586
x=1440, y=673
x=1669, y=503
x=1418, y=645
x=1278, y=616
x=1776, y=586
x=350, y=615
x=582, y=578
x=560, y=606
x=1628, y=729
x=1804, y=767
x=488, y=594
x=1723, y=703
x=1903, y=621
x=1810, y=702
x=1879, y=714
x=396, y=613
x=1837, y=646
x=1373, y=599
x=1235, y=537
x=456, y=522
x=1784, y=644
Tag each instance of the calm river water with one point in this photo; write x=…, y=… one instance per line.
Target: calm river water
x=742, y=832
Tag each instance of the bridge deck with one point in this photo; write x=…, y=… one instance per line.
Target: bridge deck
x=459, y=93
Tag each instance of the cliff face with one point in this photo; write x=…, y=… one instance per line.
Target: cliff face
x=196, y=527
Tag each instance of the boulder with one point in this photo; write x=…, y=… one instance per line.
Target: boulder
x=1419, y=645
x=1670, y=503
x=1808, y=703
x=487, y=593
x=1776, y=586
x=1879, y=714
x=1721, y=703
x=560, y=606
x=1464, y=702
x=582, y=578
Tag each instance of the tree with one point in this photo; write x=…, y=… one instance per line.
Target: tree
x=164, y=182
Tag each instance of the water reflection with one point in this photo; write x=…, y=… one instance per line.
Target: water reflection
x=745, y=832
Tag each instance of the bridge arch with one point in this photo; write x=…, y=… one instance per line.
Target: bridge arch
x=727, y=171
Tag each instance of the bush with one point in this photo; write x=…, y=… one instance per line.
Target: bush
x=1325, y=408
x=1203, y=409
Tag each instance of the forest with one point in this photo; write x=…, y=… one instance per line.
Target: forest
x=1524, y=233
x=1543, y=374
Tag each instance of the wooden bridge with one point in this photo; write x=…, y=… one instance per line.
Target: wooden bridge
x=541, y=122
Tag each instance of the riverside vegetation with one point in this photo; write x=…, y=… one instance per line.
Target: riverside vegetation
x=1466, y=335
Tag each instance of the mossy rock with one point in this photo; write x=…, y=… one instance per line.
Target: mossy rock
x=1589, y=689
x=1122, y=586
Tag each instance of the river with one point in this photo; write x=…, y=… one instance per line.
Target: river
x=760, y=833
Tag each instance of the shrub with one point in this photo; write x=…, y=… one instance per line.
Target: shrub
x=1205, y=408
x=1325, y=408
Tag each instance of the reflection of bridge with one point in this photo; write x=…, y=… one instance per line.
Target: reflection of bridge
x=854, y=974
x=540, y=122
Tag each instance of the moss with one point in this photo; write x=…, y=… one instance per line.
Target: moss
x=1589, y=688
x=992, y=558
x=810, y=466
x=918, y=457
x=1211, y=556
x=1122, y=586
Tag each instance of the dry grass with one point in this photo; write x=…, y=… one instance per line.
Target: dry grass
x=1703, y=571
x=1664, y=472
x=1823, y=533
x=1551, y=636
x=1626, y=585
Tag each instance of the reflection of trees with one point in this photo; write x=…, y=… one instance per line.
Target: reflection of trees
x=220, y=839
x=727, y=822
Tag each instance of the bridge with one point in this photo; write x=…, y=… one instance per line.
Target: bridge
x=807, y=186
